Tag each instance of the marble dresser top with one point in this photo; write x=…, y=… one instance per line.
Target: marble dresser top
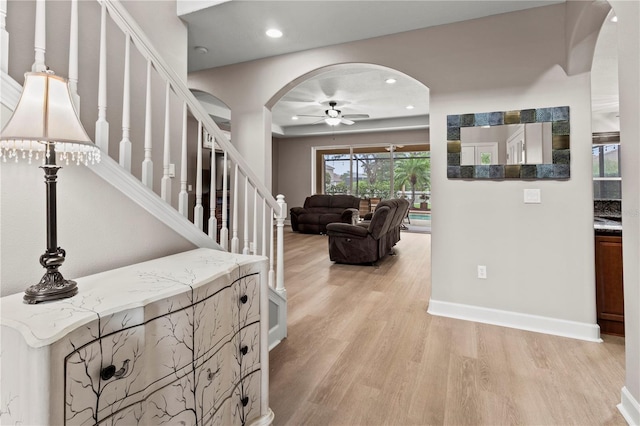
x=129, y=287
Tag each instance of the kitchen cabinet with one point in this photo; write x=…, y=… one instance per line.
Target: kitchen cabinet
x=609, y=284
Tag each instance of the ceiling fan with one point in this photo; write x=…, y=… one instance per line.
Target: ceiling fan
x=333, y=116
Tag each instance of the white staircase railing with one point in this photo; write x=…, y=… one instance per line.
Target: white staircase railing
x=243, y=198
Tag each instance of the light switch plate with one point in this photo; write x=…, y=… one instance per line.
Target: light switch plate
x=532, y=196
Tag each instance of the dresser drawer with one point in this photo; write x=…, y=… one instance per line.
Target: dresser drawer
x=103, y=376
x=245, y=351
x=212, y=384
x=245, y=301
x=245, y=400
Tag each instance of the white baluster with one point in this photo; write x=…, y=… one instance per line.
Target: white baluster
x=73, y=54
x=183, y=196
x=281, y=216
x=125, y=143
x=198, y=213
x=245, y=249
x=165, y=184
x=264, y=227
x=40, y=40
x=224, y=230
x=102, y=126
x=255, y=220
x=4, y=38
x=235, y=241
x=147, y=163
x=272, y=273
x=213, y=198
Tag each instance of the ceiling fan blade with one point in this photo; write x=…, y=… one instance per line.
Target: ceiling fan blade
x=305, y=115
x=347, y=122
x=355, y=116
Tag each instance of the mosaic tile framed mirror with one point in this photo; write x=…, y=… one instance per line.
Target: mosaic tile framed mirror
x=521, y=144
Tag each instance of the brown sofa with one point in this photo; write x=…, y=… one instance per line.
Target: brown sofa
x=321, y=209
x=371, y=240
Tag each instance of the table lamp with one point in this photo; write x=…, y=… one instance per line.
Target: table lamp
x=44, y=124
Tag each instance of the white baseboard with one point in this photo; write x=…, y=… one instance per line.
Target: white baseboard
x=629, y=407
x=547, y=325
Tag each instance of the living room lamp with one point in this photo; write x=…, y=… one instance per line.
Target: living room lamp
x=45, y=123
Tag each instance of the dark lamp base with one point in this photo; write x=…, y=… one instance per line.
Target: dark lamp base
x=52, y=286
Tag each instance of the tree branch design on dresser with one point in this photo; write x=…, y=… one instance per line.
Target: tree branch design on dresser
x=158, y=344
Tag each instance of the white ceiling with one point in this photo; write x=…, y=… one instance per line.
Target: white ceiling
x=308, y=24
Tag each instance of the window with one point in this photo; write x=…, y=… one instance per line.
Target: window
x=607, y=181
x=372, y=172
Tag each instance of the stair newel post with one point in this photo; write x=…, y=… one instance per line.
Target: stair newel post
x=272, y=272
x=198, y=213
x=235, y=241
x=125, y=143
x=245, y=231
x=281, y=216
x=213, y=199
x=224, y=231
x=165, y=184
x=264, y=227
x=183, y=196
x=255, y=220
x=147, y=163
x=102, y=126
x=40, y=40
x=4, y=38
x=73, y=54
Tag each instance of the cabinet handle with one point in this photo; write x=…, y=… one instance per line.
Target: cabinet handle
x=244, y=349
x=245, y=401
x=110, y=371
x=212, y=374
x=244, y=299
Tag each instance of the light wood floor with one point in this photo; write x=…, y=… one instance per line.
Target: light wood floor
x=362, y=350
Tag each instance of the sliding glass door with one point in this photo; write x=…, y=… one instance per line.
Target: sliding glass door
x=377, y=172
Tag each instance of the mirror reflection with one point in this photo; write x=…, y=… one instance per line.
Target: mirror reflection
x=519, y=144
x=526, y=143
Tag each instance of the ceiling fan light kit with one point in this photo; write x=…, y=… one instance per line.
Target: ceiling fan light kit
x=333, y=116
x=332, y=121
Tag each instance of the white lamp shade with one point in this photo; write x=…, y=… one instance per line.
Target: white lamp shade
x=45, y=115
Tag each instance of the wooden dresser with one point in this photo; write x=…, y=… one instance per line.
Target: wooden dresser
x=180, y=340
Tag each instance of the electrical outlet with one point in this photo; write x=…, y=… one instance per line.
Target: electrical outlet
x=482, y=272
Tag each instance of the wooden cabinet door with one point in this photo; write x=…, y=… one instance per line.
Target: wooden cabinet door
x=609, y=288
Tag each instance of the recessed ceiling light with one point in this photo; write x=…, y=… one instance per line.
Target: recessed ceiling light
x=614, y=18
x=274, y=33
x=410, y=107
x=390, y=80
x=295, y=117
x=201, y=49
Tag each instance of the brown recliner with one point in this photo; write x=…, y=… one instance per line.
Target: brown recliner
x=369, y=241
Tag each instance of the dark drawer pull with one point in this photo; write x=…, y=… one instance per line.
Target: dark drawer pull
x=110, y=371
x=244, y=349
x=245, y=401
x=244, y=299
